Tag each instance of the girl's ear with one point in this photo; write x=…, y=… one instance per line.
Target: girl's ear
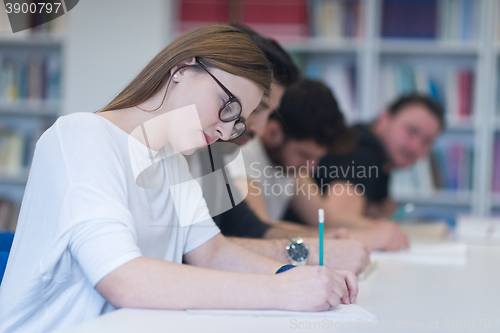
x=178, y=70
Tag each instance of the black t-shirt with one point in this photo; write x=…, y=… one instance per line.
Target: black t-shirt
x=240, y=221
x=362, y=166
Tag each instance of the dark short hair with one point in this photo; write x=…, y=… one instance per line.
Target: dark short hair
x=285, y=71
x=309, y=111
x=418, y=99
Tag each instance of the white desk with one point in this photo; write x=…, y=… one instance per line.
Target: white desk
x=400, y=294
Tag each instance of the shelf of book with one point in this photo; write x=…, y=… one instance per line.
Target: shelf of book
x=45, y=40
x=19, y=178
x=45, y=110
x=30, y=100
x=323, y=45
x=371, y=51
x=402, y=46
x=416, y=47
x=437, y=198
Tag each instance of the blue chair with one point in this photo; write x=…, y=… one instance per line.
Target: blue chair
x=3, y=263
x=6, y=239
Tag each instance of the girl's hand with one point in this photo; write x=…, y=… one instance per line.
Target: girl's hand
x=315, y=288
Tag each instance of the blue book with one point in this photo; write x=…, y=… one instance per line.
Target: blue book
x=409, y=19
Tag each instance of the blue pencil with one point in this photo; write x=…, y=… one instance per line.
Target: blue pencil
x=321, y=217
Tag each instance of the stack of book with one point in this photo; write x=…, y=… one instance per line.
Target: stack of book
x=34, y=81
x=458, y=20
x=286, y=20
x=197, y=13
x=16, y=152
x=283, y=19
x=409, y=19
x=452, y=161
x=336, y=19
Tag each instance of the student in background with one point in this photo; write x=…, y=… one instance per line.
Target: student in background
x=104, y=223
x=240, y=222
x=280, y=163
x=401, y=135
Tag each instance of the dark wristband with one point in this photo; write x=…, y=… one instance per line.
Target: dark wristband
x=284, y=268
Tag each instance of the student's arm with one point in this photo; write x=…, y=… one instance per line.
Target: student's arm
x=153, y=283
x=376, y=235
x=256, y=202
x=347, y=254
x=383, y=209
x=307, y=202
x=287, y=229
x=305, y=206
x=254, y=198
x=241, y=221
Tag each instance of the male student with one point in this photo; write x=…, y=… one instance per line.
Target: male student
x=240, y=222
x=306, y=125
x=400, y=136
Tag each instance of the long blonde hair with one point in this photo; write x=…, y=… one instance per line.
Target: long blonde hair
x=219, y=46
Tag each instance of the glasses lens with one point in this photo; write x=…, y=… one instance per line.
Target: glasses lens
x=231, y=111
x=238, y=130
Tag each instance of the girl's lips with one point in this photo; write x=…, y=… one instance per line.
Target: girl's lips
x=208, y=138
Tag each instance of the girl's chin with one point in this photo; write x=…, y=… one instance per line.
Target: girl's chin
x=189, y=151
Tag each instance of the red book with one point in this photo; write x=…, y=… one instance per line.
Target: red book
x=278, y=18
x=465, y=91
x=197, y=13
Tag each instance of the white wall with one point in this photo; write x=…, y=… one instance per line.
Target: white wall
x=107, y=44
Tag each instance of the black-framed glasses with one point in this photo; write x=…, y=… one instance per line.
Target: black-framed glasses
x=231, y=110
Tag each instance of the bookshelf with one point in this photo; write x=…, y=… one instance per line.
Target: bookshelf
x=448, y=41
x=100, y=50
x=365, y=53
x=30, y=99
x=377, y=53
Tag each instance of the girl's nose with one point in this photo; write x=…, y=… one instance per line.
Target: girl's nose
x=225, y=130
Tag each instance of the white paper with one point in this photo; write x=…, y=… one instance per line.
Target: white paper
x=435, y=254
x=475, y=228
x=342, y=312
